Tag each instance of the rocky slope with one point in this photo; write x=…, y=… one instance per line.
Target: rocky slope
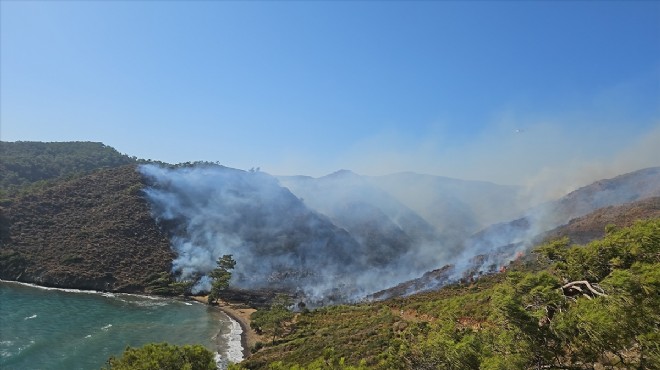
x=93, y=232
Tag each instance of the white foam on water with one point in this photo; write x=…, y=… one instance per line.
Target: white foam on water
x=24, y=347
x=234, y=345
x=4, y=352
x=51, y=288
x=30, y=317
x=220, y=362
x=105, y=328
x=124, y=297
x=143, y=302
x=152, y=297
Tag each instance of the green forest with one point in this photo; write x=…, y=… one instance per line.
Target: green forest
x=30, y=164
x=561, y=307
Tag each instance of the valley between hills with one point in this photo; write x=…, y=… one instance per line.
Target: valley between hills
x=399, y=271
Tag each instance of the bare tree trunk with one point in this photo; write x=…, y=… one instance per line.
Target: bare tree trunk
x=577, y=286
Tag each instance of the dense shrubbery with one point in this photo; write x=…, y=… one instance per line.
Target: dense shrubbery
x=274, y=320
x=588, y=304
x=163, y=356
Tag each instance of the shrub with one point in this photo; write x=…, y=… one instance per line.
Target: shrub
x=164, y=356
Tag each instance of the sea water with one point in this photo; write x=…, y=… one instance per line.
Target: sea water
x=44, y=328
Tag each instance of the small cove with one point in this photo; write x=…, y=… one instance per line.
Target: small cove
x=43, y=328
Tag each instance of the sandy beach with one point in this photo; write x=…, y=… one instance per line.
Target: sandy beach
x=240, y=314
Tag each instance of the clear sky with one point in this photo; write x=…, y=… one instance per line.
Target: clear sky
x=502, y=91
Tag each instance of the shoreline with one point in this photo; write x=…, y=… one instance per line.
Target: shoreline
x=234, y=336
x=242, y=316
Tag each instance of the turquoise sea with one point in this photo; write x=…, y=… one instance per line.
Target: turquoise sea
x=68, y=329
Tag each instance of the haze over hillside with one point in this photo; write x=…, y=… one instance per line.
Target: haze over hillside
x=332, y=239
x=430, y=207
x=341, y=237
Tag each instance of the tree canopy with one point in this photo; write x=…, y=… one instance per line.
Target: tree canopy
x=164, y=356
x=273, y=320
x=220, y=276
x=26, y=163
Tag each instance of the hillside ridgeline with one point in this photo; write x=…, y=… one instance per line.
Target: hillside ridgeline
x=31, y=164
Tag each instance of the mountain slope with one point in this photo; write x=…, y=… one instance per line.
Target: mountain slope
x=93, y=232
x=502, y=241
x=582, y=230
x=496, y=246
x=416, y=213
x=517, y=319
x=373, y=217
x=347, y=237
x=277, y=241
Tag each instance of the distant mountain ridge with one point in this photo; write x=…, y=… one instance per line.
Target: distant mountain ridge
x=423, y=208
x=439, y=199
x=372, y=215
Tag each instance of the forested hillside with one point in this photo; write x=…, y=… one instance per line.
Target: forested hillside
x=569, y=307
x=91, y=232
x=25, y=163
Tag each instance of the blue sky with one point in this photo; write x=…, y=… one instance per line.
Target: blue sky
x=510, y=92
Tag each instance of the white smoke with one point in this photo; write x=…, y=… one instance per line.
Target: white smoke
x=356, y=239
x=276, y=240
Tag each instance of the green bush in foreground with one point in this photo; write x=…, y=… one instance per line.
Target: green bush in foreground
x=164, y=356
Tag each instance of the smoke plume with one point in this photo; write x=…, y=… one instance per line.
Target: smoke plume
x=343, y=237
x=277, y=241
